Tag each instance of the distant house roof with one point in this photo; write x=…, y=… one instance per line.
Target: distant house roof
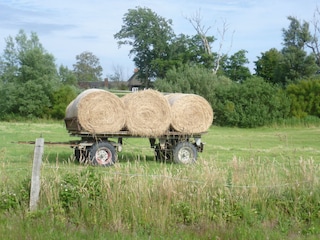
x=134, y=81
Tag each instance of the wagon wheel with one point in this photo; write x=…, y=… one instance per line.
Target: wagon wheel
x=103, y=154
x=185, y=153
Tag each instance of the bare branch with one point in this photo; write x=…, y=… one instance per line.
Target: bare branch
x=202, y=31
x=315, y=46
x=222, y=34
x=195, y=21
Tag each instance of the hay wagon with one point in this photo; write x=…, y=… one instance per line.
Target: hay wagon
x=101, y=149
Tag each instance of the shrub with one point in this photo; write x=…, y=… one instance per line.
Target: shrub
x=189, y=79
x=13, y=197
x=61, y=98
x=8, y=200
x=74, y=188
x=305, y=98
x=252, y=103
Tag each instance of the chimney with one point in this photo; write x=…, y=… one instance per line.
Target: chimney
x=106, y=82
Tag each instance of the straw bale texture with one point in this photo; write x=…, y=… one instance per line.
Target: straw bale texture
x=97, y=111
x=191, y=113
x=148, y=113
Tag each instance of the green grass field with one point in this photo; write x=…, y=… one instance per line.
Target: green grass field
x=247, y=184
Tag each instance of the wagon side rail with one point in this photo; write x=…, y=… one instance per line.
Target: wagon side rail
x=75, y=129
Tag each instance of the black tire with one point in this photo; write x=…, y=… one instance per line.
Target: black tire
x=184, y=153
x=103, y=154
x=162, y=155
x=81, y=155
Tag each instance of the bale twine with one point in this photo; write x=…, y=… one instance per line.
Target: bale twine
x=148, y=113
x=97, y=111
x=191, y=113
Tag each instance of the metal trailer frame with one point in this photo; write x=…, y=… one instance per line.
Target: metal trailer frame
x=101, y=149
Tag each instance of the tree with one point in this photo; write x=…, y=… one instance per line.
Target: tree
x=201, y=31
x=297, y=34
x=189, y=50
x=117, y=75
x=314, y=44
x=268, y=64
x=9, y=62
x=118, y=78
x=297, y=63
x=149, y=35
x=215, y=57
x=28, y=76
x=292, y=63
x=87, y=68
x=235, y=69
x=67, y=76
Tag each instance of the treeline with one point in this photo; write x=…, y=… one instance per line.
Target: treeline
x=252, y=103
x=286, y=83
x=31, y=85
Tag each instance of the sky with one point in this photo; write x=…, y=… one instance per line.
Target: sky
x=67, y=28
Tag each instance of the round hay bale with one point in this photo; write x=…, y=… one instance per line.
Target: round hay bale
x=70, y=111
x=148, y=113
x=191, y=113
x=97, y=111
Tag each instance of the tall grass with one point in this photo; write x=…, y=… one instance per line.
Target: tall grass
x=309, y=121
x=243, y=187
x=251, y=198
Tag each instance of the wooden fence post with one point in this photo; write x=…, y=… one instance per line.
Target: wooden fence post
x=35, y=178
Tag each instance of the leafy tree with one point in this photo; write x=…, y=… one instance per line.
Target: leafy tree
x=314, y=44
x=67, y=76
x=297, y=34
x=149, y=35
x=185, y=50
x=196, y=53
x=286, y=66
x=235, y=67
x=9, y=62
x=157, y=49
x=296, y=62
x=213, y=59
x=292, y=62
x=87, y=68
x=28, y=76
x=268, y=64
